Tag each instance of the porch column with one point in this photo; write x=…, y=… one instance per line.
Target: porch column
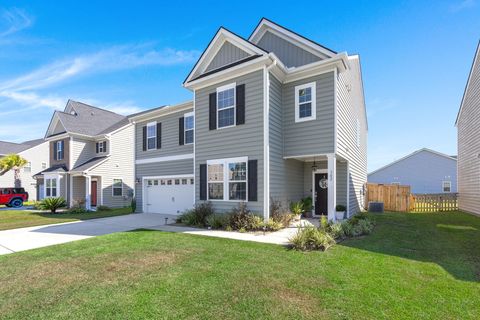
x=88, y=191
x=332, y=186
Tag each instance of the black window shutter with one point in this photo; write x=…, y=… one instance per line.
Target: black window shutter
x=144, y=135
x=203, y=182
x=181, y=131
x=55, y=151
x=252, y=180
x=213, y=111
x=240, y=104
x=104, y=146
x=159, y=135
x=63, y=149
x=96, y=147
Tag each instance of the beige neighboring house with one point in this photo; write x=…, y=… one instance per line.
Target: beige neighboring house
x=468, y=126
x=36, y=153
x=91, y=157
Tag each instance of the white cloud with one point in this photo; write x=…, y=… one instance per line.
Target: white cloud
x=13, y=21
x=462, y=5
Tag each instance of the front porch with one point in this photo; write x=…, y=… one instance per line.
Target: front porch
x=86, y=191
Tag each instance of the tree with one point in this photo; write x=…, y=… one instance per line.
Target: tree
x=12, y=162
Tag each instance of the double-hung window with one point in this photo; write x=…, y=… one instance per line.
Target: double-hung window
x=227, y=179
x=27, y=167
x=305, y=102
x=117, y=187
x=189, y=127
x=226, y=106
x=447, y=186
x=51, y=187
x=102, y=147
x=152, y=136
x=59, y=150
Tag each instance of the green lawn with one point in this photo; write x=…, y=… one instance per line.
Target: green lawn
x=12, y=219
x=413, y=266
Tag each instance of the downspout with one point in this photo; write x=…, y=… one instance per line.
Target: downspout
x=266, y=140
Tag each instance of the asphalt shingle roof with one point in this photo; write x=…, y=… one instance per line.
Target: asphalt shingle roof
x=10, y=147
x=89, y=120
x=89, y=164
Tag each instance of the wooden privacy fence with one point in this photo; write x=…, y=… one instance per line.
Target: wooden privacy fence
x=394, y=197
x=435, y=202
x=399, y=198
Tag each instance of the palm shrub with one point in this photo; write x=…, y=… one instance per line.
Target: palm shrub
x=53, y=204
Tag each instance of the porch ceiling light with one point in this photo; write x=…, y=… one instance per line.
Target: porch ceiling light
x=314, y=166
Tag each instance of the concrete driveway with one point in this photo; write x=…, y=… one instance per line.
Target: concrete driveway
x=36, y=237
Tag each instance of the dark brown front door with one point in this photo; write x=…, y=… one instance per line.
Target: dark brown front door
x=93, y=198
x=321, y=194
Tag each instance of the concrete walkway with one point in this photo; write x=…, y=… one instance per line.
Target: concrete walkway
x=36, y=237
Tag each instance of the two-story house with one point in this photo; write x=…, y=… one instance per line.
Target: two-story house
x=91, y=157
x=36, y=154
x=275, y=116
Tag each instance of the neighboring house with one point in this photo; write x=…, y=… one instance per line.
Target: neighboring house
x=274, y=117
x=36, y=153
x=91, y=157
x=425, y=171
x=468, y=126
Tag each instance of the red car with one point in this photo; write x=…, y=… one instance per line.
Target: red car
x=13, y=197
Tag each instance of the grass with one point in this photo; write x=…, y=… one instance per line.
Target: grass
x=413, y=266
x=12, y=219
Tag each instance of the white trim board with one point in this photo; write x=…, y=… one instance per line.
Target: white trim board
x=166, y=158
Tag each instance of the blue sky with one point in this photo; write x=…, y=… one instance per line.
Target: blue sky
x=415, y=56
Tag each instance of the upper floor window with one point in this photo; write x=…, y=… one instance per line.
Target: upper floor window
x=189, y=126
x=27, y=167
x=101, y=146
x=447, y=186
x=44, y=165
x=226, y=106
x=59, y=153
x=305, y=102
x=151, y=136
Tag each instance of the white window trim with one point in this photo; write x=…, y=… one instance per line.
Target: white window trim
x=449, y=184
x=226, y=179
x=313, y=86
x=152, y=124
x=113, y=187
x=57, y=186
x=100, y=146
x=185, y=116
x=223, y=88
x=60, y=150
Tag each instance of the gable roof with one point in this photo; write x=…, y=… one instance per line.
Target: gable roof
x=307, y=44
x=476, y=59
x=454, y=158
x=221, y=36
x=11, y=147
x=90, y=164
x=84, y=119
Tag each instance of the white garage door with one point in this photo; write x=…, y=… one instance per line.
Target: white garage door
x=168, y=196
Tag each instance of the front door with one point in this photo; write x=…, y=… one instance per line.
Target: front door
x=93, y=198
x=321, y=194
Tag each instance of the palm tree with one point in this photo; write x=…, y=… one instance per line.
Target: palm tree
x=12, y=162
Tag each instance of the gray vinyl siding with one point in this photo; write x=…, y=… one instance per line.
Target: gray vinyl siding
x=165, y=168
x=82, y=151
x=120, y=165
x=424, y=172
x=341, y=180
x=469, y=143
x=78, y=189
x=170, y=135
x=286, y=176
x=341, y=183
x=350, y=108
x=227, y=54
x=315, y=136
x=239, y=141
x=290, y=54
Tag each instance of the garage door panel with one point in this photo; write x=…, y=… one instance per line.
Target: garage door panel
x=169, y=196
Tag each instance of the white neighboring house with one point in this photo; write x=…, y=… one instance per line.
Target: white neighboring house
x=37, y=154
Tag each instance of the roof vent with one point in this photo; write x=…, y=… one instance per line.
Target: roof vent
x=73, y=113
x=92, y=113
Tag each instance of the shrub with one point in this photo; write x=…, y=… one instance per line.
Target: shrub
x=133, y=205
x=76, y=210
x=364, y=226
x=340, y=208
x=311, y=238
x=218, y=221
x=242, y=218
x=323, y=223
x=296, y=208
x=279, y=214
x=272, y=225
x=103, y=208
x=198, y=215
x=347, y=228
x=336, y=230
x=53, y=204
x=307, y=204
